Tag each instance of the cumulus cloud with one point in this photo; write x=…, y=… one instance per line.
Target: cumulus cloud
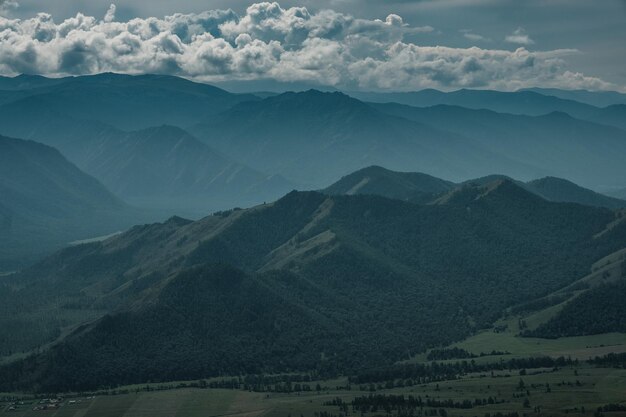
x=272, y=42
x=110, y=15
x=519, y=37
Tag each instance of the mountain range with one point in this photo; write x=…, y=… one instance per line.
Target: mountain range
x=161, y=167
x=309, y=282
x=312, y=138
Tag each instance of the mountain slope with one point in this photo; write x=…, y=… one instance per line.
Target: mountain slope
x=167, y=167
x=320, y=283
x=594, y=98
x=408, y=186
x=47, y=202
x=584, y=152
x=614, y=115
x=313, y=138
x=557, y=189
x=424, y=189
x=160, y=167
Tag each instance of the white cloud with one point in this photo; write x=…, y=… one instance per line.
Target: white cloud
x=271, y=42
x=474, y=37
x=110, y=15
x=519, y=37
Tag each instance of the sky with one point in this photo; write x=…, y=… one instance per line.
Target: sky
x=395, y=45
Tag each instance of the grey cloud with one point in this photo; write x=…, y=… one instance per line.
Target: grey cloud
x=272, y=42
x=6, y=6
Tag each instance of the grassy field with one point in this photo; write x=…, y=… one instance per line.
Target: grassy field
x=571, y=391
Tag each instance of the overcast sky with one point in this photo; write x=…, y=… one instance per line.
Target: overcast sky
x=365, y=44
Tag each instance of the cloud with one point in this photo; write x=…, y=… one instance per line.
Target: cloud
x=474, y=37
x=519, y=37
x=110, y=15
x=6, y=6
x=272, y=42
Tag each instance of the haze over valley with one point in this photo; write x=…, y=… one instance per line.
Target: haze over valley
x=306, y=210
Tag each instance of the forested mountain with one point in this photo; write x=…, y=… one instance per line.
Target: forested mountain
x=46, y=202
x=558, y=189
x=424, y=189
x=599, y=310
x=357, y=272
x=313, y=138
x=409, y=186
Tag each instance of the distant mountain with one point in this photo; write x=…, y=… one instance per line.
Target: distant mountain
x=557, y=189
x=27, y=82
x=614, y=115
x=46, y=202
x=585, y=152
x=594, y=98
x=309, y=282
x=424, y=189
x=166, y=167
x=159, y=167
x=124, y=101
x=619, y=193
x=519, y=102
x=375, y=180
x=313, y=138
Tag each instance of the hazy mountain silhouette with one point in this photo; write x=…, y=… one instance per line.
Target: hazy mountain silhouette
x=48, y=202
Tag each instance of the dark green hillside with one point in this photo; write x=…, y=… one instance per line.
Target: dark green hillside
x=409, y=186
x=600, y=310
x=344, y=281
x=557, y=189
x=421, y=188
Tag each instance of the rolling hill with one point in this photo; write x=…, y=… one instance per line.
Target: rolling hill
x=310, y=282
x=47, y=202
